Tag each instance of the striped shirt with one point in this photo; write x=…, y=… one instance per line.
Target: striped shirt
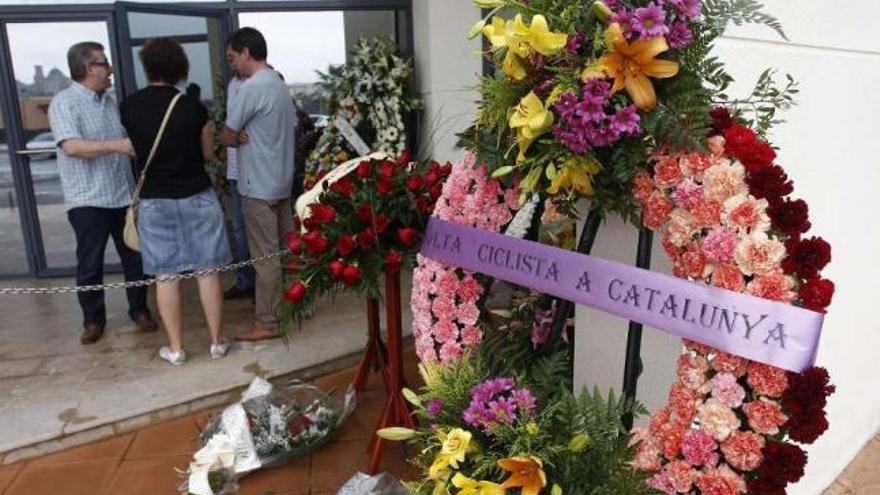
x=104, y=182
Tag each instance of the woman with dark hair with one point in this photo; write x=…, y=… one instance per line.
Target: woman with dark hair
x=180, y=222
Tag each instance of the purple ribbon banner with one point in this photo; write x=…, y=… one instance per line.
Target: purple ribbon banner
x=771, y=332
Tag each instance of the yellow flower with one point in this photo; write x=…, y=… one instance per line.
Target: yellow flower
x=438, y=469
x=575, y=176
x=521, y=40
x=631, y=64
x=473, y=487
x=525, y=472
x=538, y=36
x=531, y=119
x=455, y=446
x=579, y=443
x=532, y=428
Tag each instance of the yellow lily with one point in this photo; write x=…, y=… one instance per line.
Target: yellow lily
x=631, y=64
x=526, y=473
x=473, y=487
x=538, y=35
x=574, y=176
x=521, y=40
x=531, y=119
x=439, y=468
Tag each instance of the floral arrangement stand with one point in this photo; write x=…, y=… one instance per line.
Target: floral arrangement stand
x=396, y=411
x=375, y=355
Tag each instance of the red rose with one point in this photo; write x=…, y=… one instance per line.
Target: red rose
x=366, y=238
x=291, y=265
x=423, y=207
x=404, y=158
x=436, y=190
x=294, y=241
x=296, y=292
x=350, y=275
x=336, y=268
x=393, y=260
x=344, y=187
x=364, y=169
x=407, y=236
x=387, y=170
x=790, y=217
x=365, y=213
x=806, y=257
x=321, y=214
x=380, y=223
x=770, y=183
x=414, y=183
x=432, y=177
x=315, y=242
x=384, y=186
x=344, y=245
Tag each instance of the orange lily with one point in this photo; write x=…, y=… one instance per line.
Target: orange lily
x=631, y=64
x=525, y=472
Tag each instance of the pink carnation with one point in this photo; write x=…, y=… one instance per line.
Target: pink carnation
x=445, y=331
x=468, y=313
x=765, y=416
x=471, y=335
x=647, y=456
x=716, y=146
x=681, y=476
x=719, y=244
x=695, y=263
x=767, y=380
x=667, y=172
x=729, y=363
x=670, y=436
x=656, y=210
x=758, y=254
x=707, y=212
x=687, y=194
x=692, y=371
x=643, y=186
x=696, y=164
x=681, y=228
x=724, y=180
x=682, y=403
x=449, y=352
x=746, y=213
x=698, y=448
x=717, y=419
x=728, y=277
x=720, y=481
x=775, y=286
x=727, y=390
x=742, y=450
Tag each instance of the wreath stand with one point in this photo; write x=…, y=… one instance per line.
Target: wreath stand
x=565, y=311
x=388, y=361
x=375, y=357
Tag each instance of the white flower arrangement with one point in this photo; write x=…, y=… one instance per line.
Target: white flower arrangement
x=373, y=90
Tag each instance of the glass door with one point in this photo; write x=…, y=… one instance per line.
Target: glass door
x=36, y=235
x=202, y=32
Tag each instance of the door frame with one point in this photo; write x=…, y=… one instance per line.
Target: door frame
x=22, y=182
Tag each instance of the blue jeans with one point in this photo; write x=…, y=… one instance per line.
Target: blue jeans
x=244, y=278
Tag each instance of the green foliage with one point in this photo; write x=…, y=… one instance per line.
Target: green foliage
x=721, y=13
x=768, y=97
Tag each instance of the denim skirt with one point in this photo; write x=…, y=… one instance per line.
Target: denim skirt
x=179, y=235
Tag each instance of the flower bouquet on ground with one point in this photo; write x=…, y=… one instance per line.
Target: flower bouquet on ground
x=270, y=426
x=364, y=223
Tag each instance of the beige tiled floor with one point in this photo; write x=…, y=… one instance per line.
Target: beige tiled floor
x=146, y=462
x=862, y=476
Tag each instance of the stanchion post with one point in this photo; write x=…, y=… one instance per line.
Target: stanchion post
x=633, y=367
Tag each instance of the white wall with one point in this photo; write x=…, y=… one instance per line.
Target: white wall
x=447, y=70
x=829, y=147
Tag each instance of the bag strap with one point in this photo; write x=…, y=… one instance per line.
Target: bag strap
x=135, y=197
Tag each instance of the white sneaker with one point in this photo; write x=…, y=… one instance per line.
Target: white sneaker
x=174, y=357
x=220, y=349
